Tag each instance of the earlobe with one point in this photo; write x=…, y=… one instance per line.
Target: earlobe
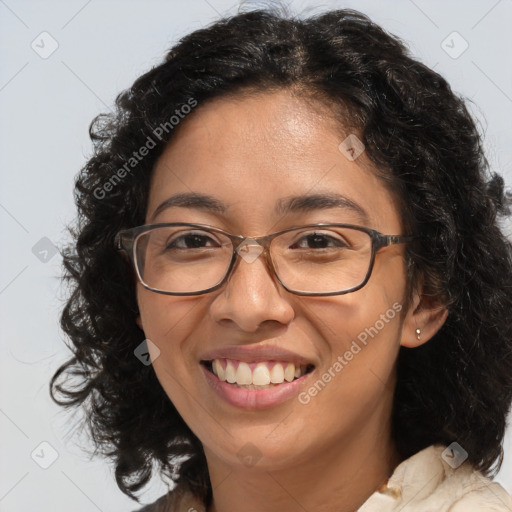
x=139, y=322
x=422, y=321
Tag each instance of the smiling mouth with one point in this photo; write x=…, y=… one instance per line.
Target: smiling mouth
x=260, y=375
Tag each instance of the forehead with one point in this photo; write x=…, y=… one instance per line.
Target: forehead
x=251, y=152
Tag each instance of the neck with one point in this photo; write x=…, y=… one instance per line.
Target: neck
x=337, y=476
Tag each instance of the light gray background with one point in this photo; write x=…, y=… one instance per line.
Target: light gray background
x=46, y=107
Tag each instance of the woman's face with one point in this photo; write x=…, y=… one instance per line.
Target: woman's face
x=251, y=155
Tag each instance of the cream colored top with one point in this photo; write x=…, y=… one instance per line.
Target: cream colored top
x=423, y=483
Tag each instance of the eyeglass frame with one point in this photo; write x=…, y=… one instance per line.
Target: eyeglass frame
x=125, y=240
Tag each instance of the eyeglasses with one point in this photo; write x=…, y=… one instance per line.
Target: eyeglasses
x=315, y=259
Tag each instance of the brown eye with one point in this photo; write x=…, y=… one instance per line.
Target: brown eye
x=318, y=241
x=191, y=241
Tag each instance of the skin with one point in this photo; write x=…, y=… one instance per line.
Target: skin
x=232, y=149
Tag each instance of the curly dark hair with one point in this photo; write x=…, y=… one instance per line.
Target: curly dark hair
x=421, y=137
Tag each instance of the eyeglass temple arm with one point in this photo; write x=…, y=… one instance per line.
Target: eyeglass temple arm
x=400, y=239
x=387, y=240
x=121, y=241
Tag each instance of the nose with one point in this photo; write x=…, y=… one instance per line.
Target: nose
x=252, y=297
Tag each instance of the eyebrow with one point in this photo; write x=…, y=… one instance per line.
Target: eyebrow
x=321, y=201
x=191, y=200
x=284, y=206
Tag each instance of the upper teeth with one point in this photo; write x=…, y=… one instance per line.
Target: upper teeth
x=263, y=373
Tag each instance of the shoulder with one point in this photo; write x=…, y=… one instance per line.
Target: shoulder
x=179, y=499
x=433, y=479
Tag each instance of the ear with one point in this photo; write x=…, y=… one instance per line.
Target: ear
x=139, y=322
x=426, y=314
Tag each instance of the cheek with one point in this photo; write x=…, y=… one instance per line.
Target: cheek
x=169, y=322
x=361, y=334
x=172, y=323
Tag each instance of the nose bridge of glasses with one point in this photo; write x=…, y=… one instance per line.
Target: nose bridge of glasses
x=249, y=248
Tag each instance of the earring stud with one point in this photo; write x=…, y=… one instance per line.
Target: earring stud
x=418, y=333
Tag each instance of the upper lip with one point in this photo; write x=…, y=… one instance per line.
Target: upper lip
x=254, y=354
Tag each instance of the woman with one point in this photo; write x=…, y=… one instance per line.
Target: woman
x=290, y=290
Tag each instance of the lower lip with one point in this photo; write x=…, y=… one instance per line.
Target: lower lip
x=254, y=398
